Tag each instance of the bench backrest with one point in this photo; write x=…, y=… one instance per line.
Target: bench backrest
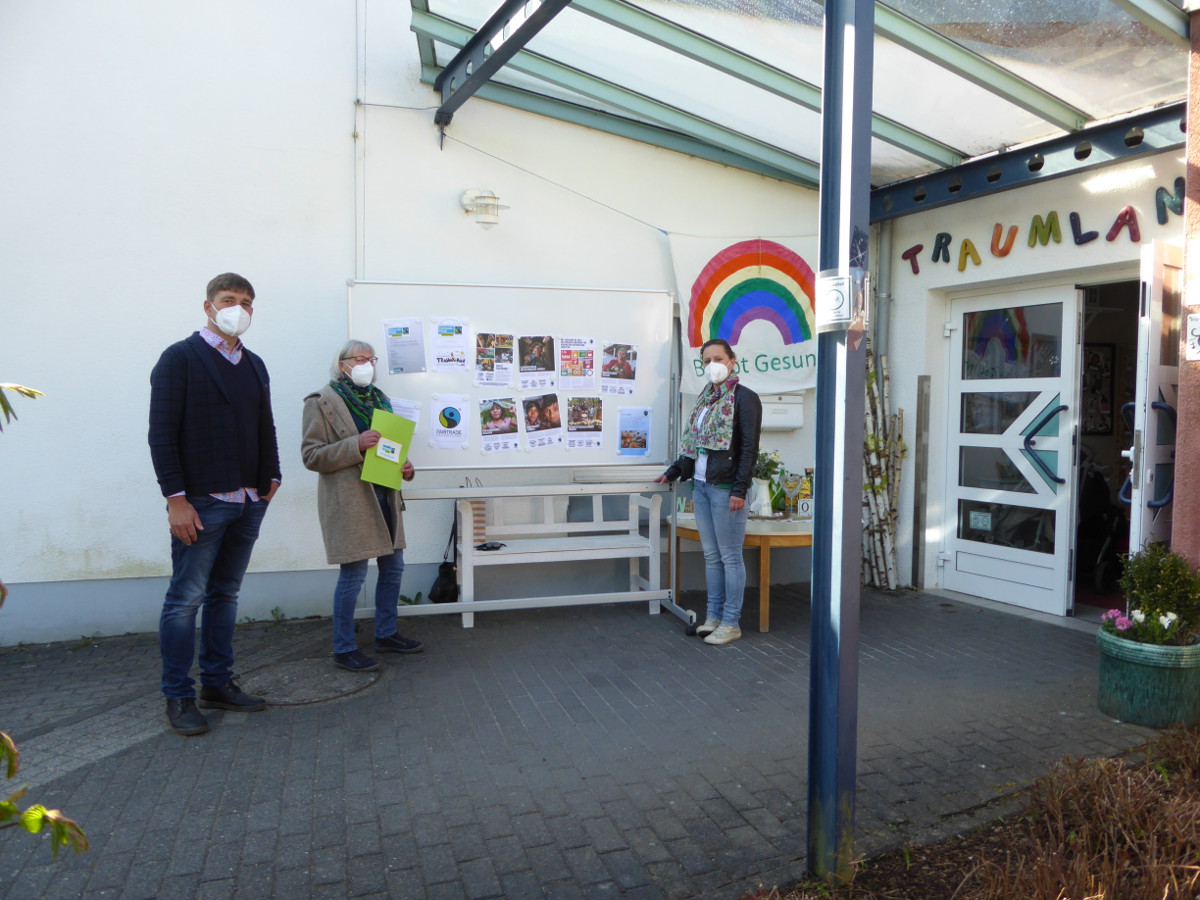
x=500, y=518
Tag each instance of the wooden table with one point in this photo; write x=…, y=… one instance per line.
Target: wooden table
x=765, y=534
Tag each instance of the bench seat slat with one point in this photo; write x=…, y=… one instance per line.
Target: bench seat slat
x=600, y=546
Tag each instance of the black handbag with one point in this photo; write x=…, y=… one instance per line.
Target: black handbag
x=445, y=586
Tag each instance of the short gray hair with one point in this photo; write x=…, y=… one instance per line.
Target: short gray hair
x=352, y=347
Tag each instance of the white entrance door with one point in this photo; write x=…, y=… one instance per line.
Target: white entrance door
x=1151, y=483
x=1010, y=480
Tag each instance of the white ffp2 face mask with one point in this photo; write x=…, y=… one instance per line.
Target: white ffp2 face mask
x=362, y=375
x=717, y=372
x=232, y=320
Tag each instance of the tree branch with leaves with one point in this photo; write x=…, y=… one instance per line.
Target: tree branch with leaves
x=64, y=832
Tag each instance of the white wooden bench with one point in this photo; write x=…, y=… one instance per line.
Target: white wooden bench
x=538, y=531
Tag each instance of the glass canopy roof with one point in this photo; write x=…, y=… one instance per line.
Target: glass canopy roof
x=739, y=80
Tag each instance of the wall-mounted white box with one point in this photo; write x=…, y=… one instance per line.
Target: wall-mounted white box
x=782, y=412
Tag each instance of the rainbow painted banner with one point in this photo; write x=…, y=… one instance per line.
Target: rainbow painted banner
x=756, y=294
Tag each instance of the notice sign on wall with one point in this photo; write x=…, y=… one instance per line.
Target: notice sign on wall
x=1193, y=337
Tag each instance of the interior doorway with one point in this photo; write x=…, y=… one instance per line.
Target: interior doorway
x=1108, y=387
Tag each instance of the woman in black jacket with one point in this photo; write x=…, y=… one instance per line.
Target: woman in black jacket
x=720, y=446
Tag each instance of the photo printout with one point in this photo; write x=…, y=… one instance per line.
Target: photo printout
x=536, y=362
x=498, y=424
x=618, y=370
x=543, y=421
x=493, y=359
x=585, y=423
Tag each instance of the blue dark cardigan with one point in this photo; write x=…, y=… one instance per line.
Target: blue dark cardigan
x=193, y=433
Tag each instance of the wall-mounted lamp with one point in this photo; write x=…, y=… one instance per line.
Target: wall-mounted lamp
x=483, y=204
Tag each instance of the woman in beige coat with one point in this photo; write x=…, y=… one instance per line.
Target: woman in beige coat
x=359, y=520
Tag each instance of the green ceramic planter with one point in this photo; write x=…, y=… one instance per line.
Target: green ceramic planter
x=1148, y=684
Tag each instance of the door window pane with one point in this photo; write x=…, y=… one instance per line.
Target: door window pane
x=1019, y=527
x=992, y=469
x=1164, y=479
x=1013, y=342
x=988, y=412
x=1164, y=424
x=1169, y=336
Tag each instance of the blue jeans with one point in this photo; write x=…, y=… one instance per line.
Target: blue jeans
x=721, y=535
x=387, y=593
x=207, y=575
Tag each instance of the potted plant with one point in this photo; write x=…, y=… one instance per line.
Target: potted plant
x=766, y=467
x=1150, y=652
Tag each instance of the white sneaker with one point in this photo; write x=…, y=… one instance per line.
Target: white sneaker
x=710, y=625
x=725, y=634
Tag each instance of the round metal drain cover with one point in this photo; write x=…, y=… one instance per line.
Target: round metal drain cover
x=299, y=681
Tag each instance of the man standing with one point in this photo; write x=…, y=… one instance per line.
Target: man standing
x=212, y=441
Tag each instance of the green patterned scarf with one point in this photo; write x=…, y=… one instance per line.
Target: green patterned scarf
x=362, y=401
x=715, y=430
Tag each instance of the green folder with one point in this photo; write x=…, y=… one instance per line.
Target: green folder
x=384, y=463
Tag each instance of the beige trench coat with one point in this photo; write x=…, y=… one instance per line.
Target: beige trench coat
x=352, y=523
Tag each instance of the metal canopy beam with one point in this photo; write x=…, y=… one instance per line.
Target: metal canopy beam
x=802, y=170
x=706, y=51
x=927, y=43
x=425, y=50
x=1161, y=17
x=599, y=120
x=509, y=29
x=1151, y=132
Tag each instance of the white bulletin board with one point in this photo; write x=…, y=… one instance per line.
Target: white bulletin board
x=639, y=320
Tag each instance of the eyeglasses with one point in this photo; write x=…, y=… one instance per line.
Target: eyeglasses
x=363, y=360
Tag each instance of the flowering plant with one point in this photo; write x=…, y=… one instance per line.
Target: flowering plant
x=768, y=465
x=1162, y=595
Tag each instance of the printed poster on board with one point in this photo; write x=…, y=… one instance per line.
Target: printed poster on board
x=577, y=364
x=450, y=343
x=448, y=417
x=404, y=346
x=618, y=369
x=634, y=430
x=537, y=369
x=407, y=409
x=493, y=359
x=756, y=294
x=585, y=423
x=498, y=424
x=543, y=422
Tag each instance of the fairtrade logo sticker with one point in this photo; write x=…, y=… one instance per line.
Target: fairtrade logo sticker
x=388, y=450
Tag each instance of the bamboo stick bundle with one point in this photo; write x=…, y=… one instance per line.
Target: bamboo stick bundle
x=881, y=466
x=883, y=454
x=874, y=481
x=870, y=562
x=873, y=545
x=869, y=440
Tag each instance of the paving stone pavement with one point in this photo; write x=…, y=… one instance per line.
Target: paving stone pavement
x=584, y=752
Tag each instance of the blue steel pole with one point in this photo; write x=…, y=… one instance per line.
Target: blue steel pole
x=841, y=375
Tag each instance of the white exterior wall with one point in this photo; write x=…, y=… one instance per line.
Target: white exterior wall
x=921, y=301
x=150, y=146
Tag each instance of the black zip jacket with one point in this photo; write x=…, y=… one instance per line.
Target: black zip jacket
x=736, y=465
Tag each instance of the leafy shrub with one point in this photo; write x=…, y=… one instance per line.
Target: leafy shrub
x=1162, y=595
